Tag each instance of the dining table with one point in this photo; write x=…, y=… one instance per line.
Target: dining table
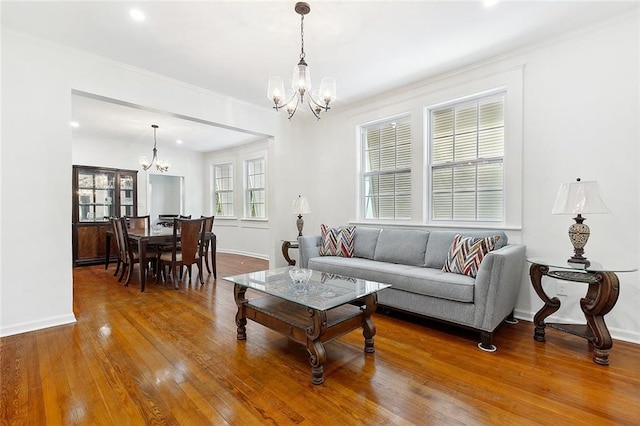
x=143, y=237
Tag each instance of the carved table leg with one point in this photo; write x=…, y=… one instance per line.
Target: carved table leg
x=368, y=328
x=239, y=293
x=600, y=299
x=315, y=347
x=536, y=273
x=286, y=245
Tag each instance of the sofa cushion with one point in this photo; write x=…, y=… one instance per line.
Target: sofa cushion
x=466, y=254
x=337, y=241
x=423, y=281
x=440, y=243
x=404, y=246
x=365, y=240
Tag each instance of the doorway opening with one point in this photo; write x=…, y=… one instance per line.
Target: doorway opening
x=166, y=196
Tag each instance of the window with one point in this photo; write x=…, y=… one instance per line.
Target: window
x=386, y=178
x=466, y=160
x=223, y=190
x=255, y=196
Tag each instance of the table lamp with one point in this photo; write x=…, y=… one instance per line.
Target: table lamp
x=300, y=206
x=579, y=197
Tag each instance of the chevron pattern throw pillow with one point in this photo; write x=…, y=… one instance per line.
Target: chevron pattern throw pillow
x=466, y=254
x=337, y=241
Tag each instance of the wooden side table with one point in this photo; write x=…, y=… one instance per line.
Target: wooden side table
x=286, y=245
x=602, y=295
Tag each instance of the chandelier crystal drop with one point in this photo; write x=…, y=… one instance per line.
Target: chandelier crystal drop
x=162, y=165
x=319, y=100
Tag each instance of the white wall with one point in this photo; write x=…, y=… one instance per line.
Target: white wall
x=580, y=110
x=581, y=120
x=123, y=155
x=165, y=193
x=240, y=235
x=37, y=80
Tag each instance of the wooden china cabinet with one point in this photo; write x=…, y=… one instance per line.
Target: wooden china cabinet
x=99, y=193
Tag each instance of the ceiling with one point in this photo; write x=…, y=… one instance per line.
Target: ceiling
x=115, y=120
x=232, y=47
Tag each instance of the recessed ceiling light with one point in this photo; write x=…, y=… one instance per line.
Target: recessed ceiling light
x=489, y=3
x=74, y=124
x=178, y=141
x=136, y=15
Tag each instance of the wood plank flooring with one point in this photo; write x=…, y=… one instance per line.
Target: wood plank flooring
x=171, y=357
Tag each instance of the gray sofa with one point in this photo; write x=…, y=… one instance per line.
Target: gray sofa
x=411, y=260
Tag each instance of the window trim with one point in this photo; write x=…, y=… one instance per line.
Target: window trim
x=363, y=174
x=472, y=99
x=245, y=195
x=511, y=82
x=214, y=168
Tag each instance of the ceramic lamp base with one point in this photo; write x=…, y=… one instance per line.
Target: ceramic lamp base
x=299, y=224
x=579, y=235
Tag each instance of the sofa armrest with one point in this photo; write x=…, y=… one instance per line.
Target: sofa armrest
x=308, y=247
x=497, y=285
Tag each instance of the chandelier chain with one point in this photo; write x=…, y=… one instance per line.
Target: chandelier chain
x=302, y=54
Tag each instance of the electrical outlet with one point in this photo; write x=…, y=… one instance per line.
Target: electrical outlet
x=561, y=289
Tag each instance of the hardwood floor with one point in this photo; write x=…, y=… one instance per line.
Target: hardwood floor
x=171, y=357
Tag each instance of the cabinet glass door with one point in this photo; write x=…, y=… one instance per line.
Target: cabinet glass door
x=95, y=196
x=126, y=195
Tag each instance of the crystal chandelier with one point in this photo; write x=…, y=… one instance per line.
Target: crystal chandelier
x=161, y=164
x=318, y=101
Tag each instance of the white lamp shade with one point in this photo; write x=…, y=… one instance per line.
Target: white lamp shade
x=327, y=90
x=581, y=197
x=275, y=90
x=300, y=205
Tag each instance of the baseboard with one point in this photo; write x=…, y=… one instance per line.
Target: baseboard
x=40, y=324
x=616, y=333
x=244, y=253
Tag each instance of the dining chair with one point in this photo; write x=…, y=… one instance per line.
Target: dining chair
x=166, y=219
x=120, y=248
x=138, y=222
x=185, y=217
x=208, y=228
x=132, y=256
x=187, y=233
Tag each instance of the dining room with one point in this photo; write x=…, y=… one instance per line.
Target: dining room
x=111, y=134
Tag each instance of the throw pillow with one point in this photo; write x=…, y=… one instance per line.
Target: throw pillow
x=466, y=254
x=337, y=241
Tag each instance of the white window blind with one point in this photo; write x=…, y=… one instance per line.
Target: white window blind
x=255, y=196
x=386, y=178
x=223, y=190
x=467, y=155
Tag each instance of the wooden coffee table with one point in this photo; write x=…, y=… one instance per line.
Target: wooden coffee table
x=324, y=308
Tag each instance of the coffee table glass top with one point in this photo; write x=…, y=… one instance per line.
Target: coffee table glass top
x=323, y=291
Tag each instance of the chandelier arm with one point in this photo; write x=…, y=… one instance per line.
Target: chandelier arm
x=294, y=109
x=282, y=105
x=325, y=107
x=315, y=111
x=153, y=159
